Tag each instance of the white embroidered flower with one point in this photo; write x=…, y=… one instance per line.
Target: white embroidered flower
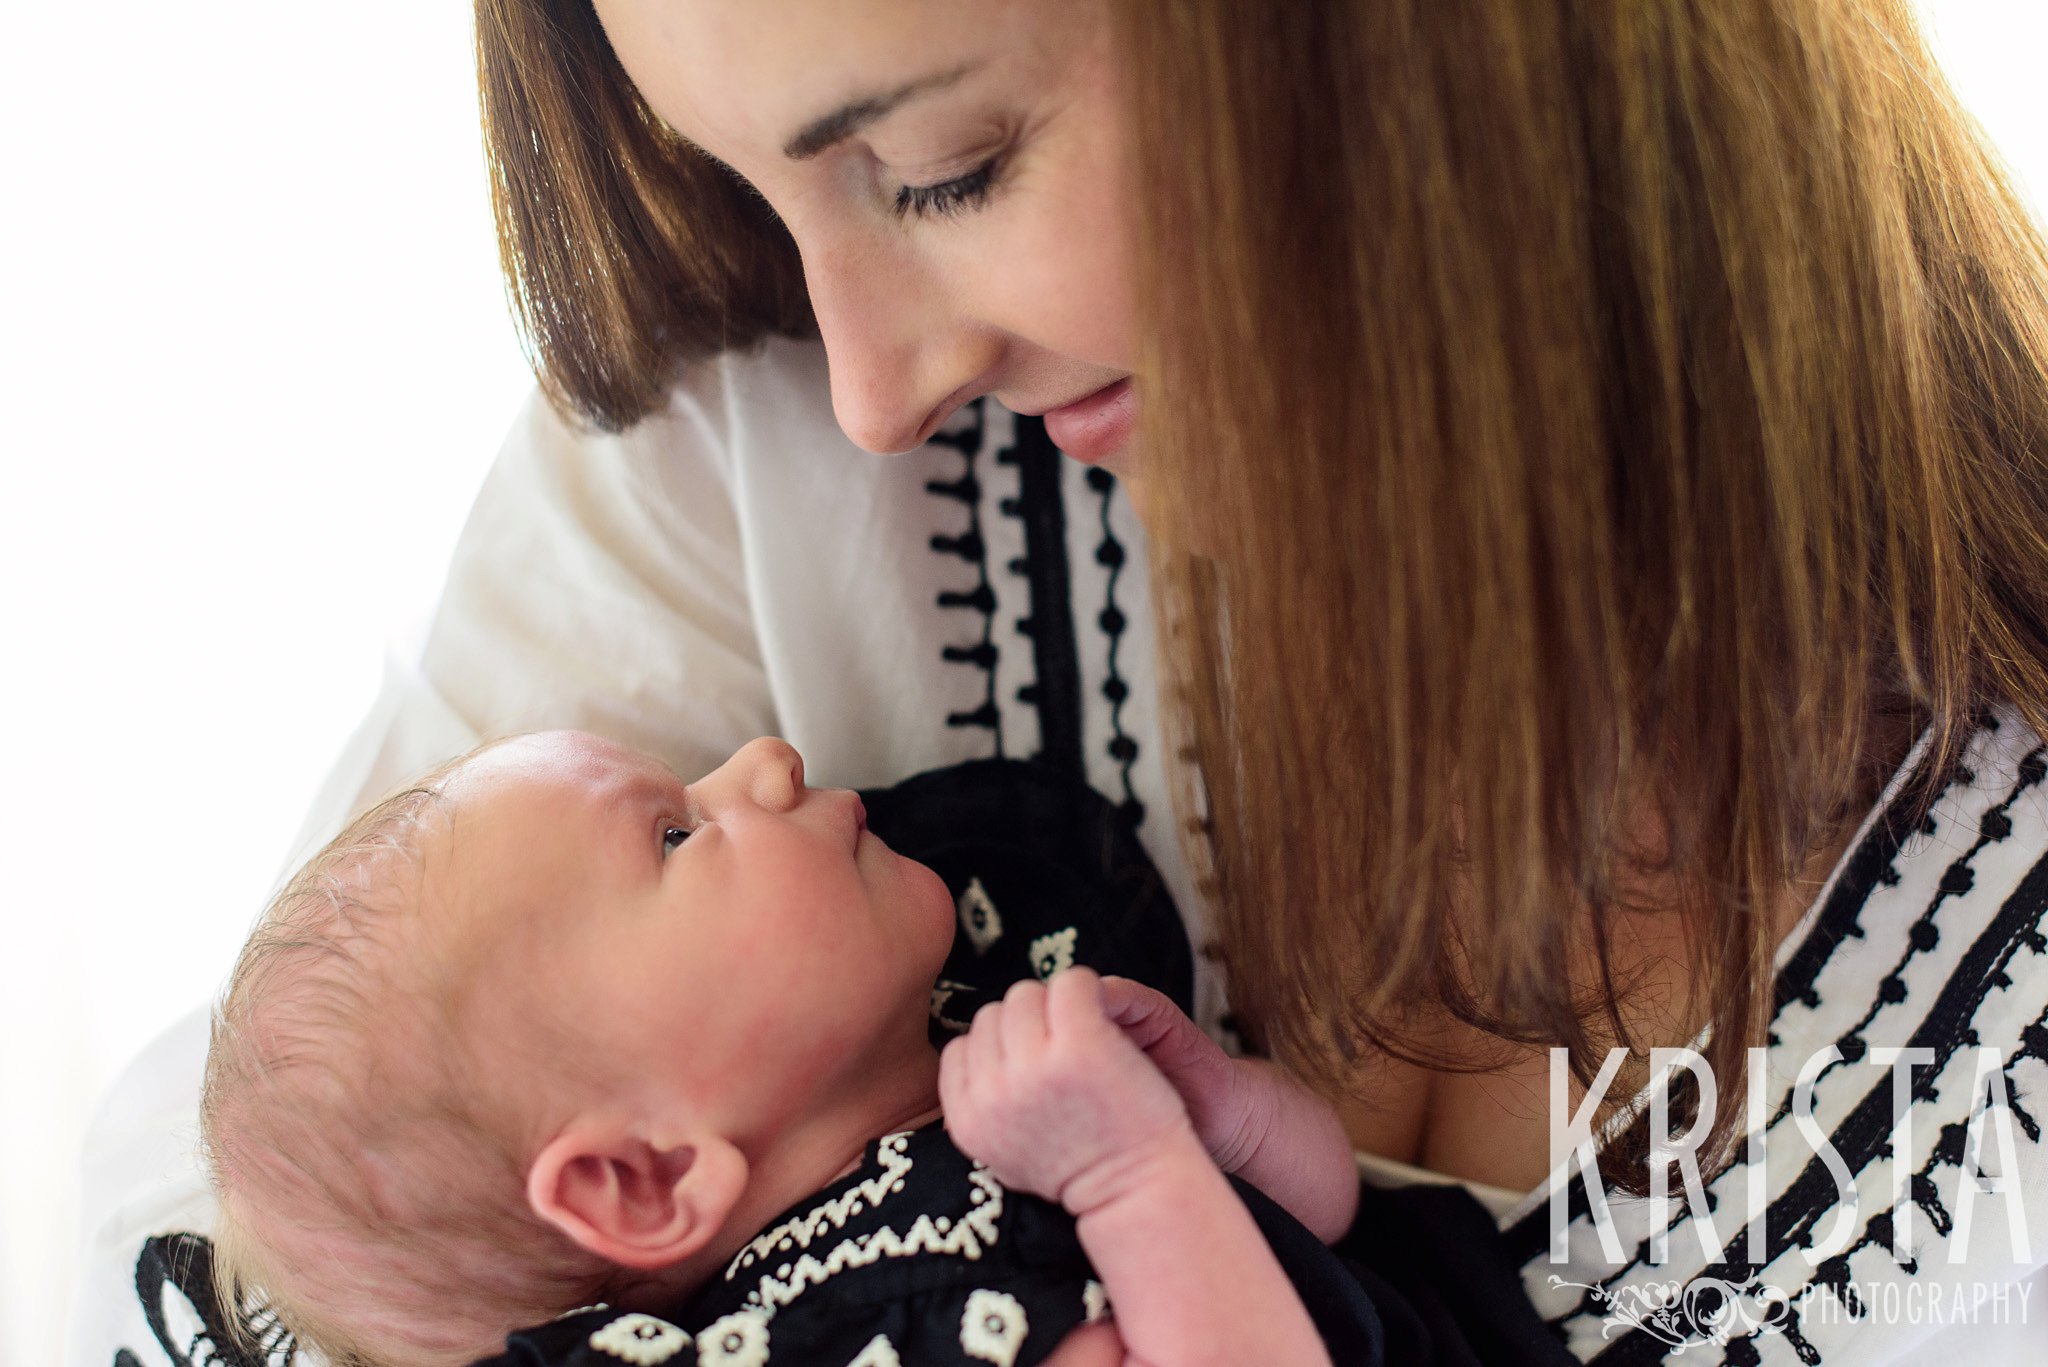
x=641, y=1340
x=1094, y=1301
x=993, y=1327
x=879, y=1353
x=1051, y=953
x=942, y=996
x=738, y=1340
x=978, y=917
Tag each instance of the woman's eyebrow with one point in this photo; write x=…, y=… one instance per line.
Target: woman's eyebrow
x=855, y=115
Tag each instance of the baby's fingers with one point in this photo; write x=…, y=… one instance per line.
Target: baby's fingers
x=1143, y=1013
x=984, y=1037
x=956, y=1070
x=1073, y=1004
x=1024, y=1022
x=1151, y=1021
x=959, y=1094
x=971, y=1117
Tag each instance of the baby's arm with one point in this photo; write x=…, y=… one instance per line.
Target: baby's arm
x=1255, y=1119
x=1050, y=1094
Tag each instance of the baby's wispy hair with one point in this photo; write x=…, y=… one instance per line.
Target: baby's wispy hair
x=370, y=1193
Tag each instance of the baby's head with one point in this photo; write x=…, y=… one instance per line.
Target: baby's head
x=530, y=1034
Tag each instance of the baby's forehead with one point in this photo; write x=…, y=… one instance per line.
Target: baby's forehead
x=538, y=823
x=519, y=827
x=567, y=764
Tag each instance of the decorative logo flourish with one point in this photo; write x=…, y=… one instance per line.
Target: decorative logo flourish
x=1707, y=1311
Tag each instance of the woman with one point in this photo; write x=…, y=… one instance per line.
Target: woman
x=1629, y=422
x=1592, y=457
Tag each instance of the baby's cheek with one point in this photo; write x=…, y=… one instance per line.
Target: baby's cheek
x=804, y=1050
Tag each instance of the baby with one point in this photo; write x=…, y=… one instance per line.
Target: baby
x=553, y=1028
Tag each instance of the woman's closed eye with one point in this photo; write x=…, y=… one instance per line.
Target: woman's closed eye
x=950, y=197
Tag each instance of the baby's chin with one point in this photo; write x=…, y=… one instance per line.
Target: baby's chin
x=927, y=893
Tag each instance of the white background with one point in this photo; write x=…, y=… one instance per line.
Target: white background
x=254, y=357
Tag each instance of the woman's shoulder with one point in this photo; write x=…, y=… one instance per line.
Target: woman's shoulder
x=1956, y=848
x=762, y=398
x=1901, y=1154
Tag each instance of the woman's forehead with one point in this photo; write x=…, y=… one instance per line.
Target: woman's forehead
x=746, y=78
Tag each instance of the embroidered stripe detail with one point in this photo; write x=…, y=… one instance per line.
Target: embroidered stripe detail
x=1110, y=553
x=972, y=547
x=1866, y=1132
x=1041, y=508
x=1873, y=865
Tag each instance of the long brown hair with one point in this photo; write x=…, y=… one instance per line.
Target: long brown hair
x=1649, y=399
x=627, y=253
x=1575, y=408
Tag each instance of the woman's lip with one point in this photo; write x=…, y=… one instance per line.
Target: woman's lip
x=1097, y=427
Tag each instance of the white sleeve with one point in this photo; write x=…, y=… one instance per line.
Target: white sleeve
x=598, y=585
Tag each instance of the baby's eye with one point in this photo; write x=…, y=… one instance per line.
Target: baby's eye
x=672, y=836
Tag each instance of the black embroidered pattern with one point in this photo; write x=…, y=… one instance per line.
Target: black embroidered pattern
x=1840, y=919
x=1865, y=1134
x=900, y=1252
x=1109, y=553
x=1872, y=865
x=1044, y=853
x=970, y=547
x=1956, y=881
x=1039, y=506
x=181, y=1265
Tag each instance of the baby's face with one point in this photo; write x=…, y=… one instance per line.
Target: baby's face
x=742, y=941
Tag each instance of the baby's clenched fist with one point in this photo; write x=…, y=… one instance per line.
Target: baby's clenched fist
x=1051, y=1096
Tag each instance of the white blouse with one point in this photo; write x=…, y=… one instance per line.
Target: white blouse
x=733, y=567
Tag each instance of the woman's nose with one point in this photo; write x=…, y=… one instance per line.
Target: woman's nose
x=902, y=352
x=768, y=773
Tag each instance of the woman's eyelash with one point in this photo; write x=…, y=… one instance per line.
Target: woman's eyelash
x=672, y=836
x=949, y=197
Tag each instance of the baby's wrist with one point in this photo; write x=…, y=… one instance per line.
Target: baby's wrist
x=1165, y=1163
x=1237, y=1129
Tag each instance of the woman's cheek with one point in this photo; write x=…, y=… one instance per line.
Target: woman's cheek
x=1080, y=288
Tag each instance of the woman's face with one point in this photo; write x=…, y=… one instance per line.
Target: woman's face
x=952, y=172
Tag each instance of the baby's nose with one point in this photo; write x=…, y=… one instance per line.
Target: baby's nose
x=771, y=772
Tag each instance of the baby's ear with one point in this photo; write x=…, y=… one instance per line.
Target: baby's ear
x=631, y=1201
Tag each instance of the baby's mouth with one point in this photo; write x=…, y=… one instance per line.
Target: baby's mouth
x=860, y=820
